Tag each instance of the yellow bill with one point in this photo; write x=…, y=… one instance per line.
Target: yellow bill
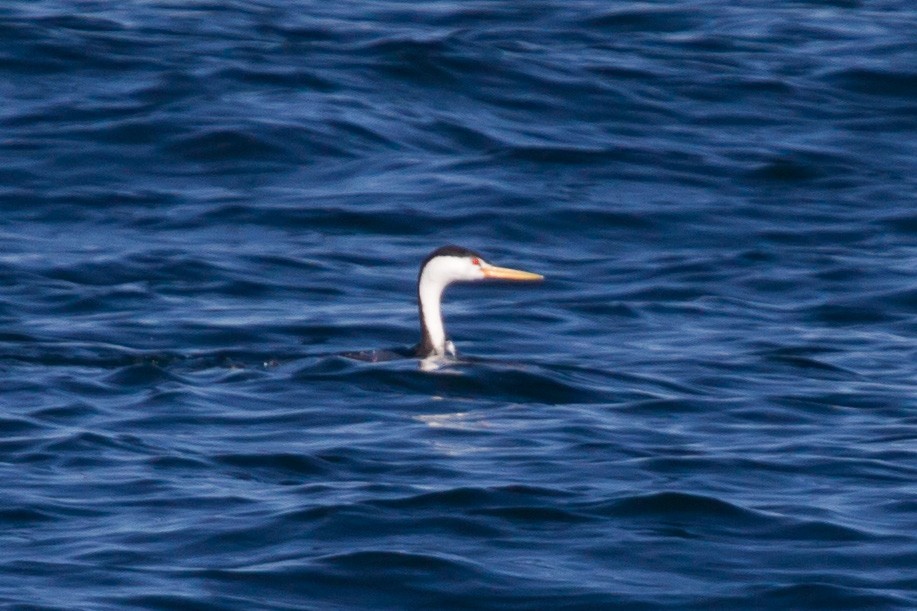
x=505, y=273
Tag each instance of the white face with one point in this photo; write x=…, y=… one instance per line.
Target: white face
x=445, y=270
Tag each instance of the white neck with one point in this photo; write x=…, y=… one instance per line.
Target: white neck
x=438, y=273
x=430, y=292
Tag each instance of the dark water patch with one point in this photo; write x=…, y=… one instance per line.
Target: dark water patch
x=308, y=33
x=389, y=578
x=21, y=449
x=375, y=520
x=80, y=23
x=82, y=355
x=130, y=132
x=279, y=77
x=361, y=135
x=543, y=516
x=819, y=595
x=842, y=274
x=795, y=358
x=814, y=531
x=178, y=463
x=457, y=133
x=140, y=376
x=125, y=297
x=166, y=266
x=903, y=222
x=91, y=446
x=18, y=517
x=824, y=236
x=400, y=565
x=475, y=498
x=829, y=401
x=683, y=508
x=602, y=308
x=678, y=460
x=843, y=4
x=643, y=20
x=606, y=219
x=668, y=405
x=905, y=298
x=878, y=83
x=445, y=61
x=805, y=166
x=216, y=146
x=853, y=313
x=785, y=170
x=14, y=427
x=652, y=296
x=178, y=602
x=334, y=220
x=353, y=459
x=60, y=44
x=549, y=154
x=66, y=413
x=773, y=413
x=78, y=122
x=284, y=466
x=494, y=383
x=167, y=88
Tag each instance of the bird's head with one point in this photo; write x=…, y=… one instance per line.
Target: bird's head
x=456, y=264
x=443, y=267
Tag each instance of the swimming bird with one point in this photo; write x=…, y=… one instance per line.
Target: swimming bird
x=441, y=268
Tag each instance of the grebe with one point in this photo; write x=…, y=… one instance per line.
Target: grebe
x=440, y=269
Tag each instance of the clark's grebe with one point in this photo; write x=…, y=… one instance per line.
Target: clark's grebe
x=440, y=269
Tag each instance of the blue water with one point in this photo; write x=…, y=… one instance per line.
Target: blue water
x=709, y=403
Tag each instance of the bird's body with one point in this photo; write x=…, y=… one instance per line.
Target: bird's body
x=440, y=269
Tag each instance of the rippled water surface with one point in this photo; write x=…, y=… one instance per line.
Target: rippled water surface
x=709, y=403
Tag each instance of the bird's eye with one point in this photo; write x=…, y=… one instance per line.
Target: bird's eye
x=476, y=261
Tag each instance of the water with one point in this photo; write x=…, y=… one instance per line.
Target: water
x=708, y=404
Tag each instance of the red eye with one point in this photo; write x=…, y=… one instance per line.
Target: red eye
x=476, y=261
